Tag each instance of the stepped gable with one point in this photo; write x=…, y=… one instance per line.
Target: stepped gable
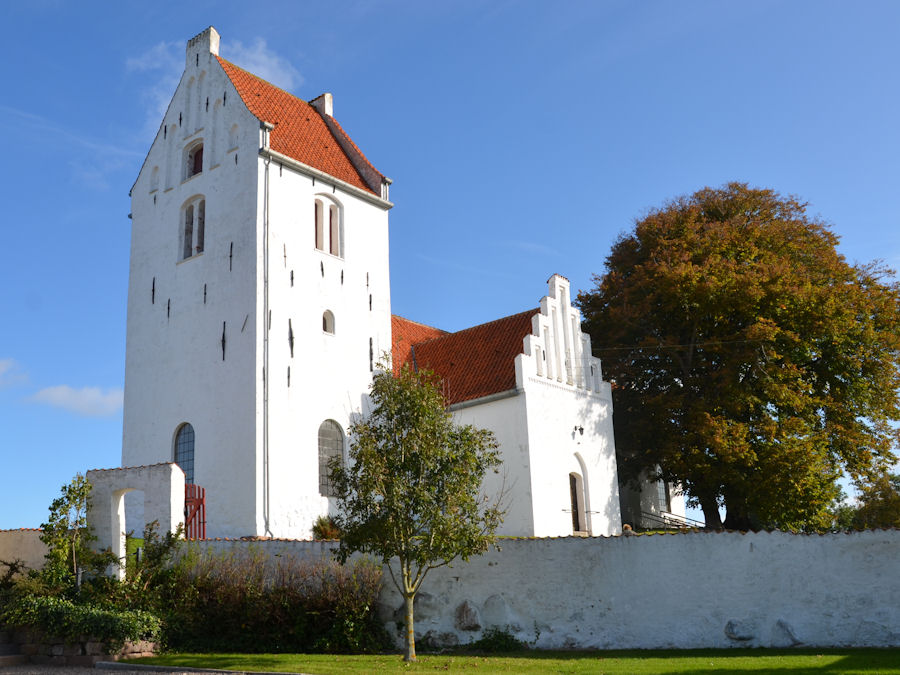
x=300, y=131
x=477, y=361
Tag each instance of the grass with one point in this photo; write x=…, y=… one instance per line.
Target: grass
x=704, y=662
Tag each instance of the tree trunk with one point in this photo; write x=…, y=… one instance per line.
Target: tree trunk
x=410, y=631
x=738, y=521
x=711, y=514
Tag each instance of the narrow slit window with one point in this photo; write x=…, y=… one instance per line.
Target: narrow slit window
x=320, y=241
x=334, y=231
x=188, y=237
x=201, y=225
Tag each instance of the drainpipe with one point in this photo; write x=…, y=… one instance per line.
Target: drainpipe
x=265, y=128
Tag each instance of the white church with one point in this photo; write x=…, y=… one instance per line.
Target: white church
x=259, y=305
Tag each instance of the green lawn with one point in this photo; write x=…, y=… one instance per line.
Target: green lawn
x=705, y=662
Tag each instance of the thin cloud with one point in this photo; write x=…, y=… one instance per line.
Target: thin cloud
x=258, y=59
x=165, y=62
x=87, y=401
x=11, y=374
x=46, y=129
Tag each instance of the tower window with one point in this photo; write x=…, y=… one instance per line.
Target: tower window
x=328, y=322
x=576, y=493
x=331, y=449
x=328, y=226
x=193, y=161
x=184, y=451
x=193, y=229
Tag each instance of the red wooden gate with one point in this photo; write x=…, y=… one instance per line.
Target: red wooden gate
x=194, y=511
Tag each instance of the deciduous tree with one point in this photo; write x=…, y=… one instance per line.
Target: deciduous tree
x=749, y=359
x=879, y=503
x=412, y=490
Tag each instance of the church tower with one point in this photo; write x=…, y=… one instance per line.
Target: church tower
x=258, y=299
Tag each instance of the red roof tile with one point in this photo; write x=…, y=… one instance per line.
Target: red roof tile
x=406, y=333
x=474, y=362
x=300, y=132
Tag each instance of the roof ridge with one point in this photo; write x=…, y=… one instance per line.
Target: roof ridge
x=481, y=325
x=419, y=323
x=355, y=146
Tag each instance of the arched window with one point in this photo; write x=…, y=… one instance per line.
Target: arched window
x=328, y=322
x=576, y=492
x=193, y=228
x=662, y=496
x=331, y=445
x=328, y=227
x=184, y=451
x=193, y=160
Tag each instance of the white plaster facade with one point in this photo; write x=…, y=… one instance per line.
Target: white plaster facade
x=555, y=425
x=246, y=325
x=209, y=336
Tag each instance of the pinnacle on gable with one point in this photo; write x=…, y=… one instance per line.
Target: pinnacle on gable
x=200, y=47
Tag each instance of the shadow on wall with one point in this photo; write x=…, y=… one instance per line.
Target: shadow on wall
x=24, y=545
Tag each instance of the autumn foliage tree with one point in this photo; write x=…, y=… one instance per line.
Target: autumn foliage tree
x=750, y=361
x=411, y=494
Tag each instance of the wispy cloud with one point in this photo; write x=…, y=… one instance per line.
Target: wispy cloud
x=11, y=373
x=258, y=59
x=164, y=61
x=87, y=401
x=47, y=129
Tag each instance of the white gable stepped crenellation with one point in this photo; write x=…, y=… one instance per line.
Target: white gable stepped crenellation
x=558, y=350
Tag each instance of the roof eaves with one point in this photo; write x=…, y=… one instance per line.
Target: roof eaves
x=322, y=175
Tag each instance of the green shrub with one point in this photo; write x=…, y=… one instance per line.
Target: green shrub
x=325, y=528
x=497, y=640
x=61, y=618
x=250, y=602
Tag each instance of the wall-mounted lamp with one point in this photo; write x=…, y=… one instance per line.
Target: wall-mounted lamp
x=579, y=429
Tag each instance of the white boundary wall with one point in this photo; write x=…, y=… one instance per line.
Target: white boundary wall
x=661, y=591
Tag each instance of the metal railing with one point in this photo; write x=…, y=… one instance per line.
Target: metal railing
x=670, y=520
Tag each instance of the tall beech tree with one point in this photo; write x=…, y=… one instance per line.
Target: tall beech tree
x=750, y=361
x=412, y=490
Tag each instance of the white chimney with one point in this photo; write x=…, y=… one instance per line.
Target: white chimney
x=324, y=104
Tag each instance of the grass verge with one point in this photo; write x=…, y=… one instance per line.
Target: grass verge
x=703, y=662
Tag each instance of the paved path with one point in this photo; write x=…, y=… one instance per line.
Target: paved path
x=115, y=669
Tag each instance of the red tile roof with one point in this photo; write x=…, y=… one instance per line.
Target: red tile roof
x=405, y=334
x=300, y=131
x=474, y=362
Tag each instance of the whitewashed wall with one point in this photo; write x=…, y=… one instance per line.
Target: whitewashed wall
x=174, y=367
x=660, y=591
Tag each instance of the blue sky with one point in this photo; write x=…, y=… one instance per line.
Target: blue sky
x=522, y=138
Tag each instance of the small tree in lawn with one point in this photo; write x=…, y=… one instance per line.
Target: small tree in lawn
x=412, y=490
